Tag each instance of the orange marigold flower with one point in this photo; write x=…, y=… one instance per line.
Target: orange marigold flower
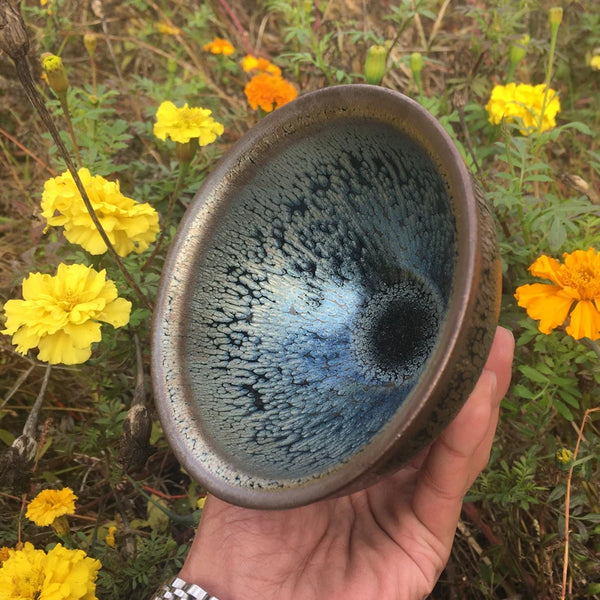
x=220, y=46
x=576, y=281
x=269, y=91
x=251, y=63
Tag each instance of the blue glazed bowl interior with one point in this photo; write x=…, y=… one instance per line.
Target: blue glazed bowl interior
x=319, y=286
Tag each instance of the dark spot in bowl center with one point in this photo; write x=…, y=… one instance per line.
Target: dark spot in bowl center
x=397, y=329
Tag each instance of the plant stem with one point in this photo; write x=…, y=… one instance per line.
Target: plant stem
x=98, y=10
x=65, y=108
x=236, y=22
x=35, y=98
x=553, y=38
x=183, y=169
x=94, y=75
x=32, y=419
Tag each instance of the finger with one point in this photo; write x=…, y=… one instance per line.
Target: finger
x=446, y=472
x=500, y=360
x=462, y=450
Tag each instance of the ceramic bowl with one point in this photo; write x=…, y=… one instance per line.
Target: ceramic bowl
x=328, y=302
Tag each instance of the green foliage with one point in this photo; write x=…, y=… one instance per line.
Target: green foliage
x=509, y=484
x=101, y=135
x=152, y=559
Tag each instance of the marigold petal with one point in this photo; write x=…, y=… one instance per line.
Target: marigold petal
x=59, y=348
x=25, y=339
x=546, y=268
x=84, y=334
x=545, y=303
x=36, y=285
x=70, y=575
x=585, y=321
x=15, y=311
x=116, y=313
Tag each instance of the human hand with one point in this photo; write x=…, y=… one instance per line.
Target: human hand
x=388, y=542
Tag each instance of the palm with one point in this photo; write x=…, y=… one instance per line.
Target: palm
x=390, y=541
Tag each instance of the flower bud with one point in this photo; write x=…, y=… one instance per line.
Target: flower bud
x=172, y=66
x=555, y=15
x=187, y=150
x=61, y=526
x=55, y=71
x=375, y=64
x=89, y=41
x=519, y=50
x=416, y=64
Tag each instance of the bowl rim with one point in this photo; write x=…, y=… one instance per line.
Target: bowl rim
x=341, y=101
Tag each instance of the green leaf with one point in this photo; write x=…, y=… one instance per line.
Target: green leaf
x=533, y=374
x=557, y=235
x=562, y=409
x=157, y=518
x=523, y=392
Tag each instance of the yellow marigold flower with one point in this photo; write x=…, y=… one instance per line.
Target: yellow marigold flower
x=577, y=281
x=22, y=573
x=50, y=504
x=62, y=314
x=167, y=29
x=61, y=574
x=522, y=104
x=130, y=226
x=220, y=46
x=251, y=63
x=110, y=536
x=269, y=91
x=595, y=62
x=183, y=124
x=564, y=456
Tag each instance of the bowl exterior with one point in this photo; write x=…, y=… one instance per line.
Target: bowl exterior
x=455, y=365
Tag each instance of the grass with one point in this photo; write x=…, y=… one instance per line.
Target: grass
x=543, y=189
